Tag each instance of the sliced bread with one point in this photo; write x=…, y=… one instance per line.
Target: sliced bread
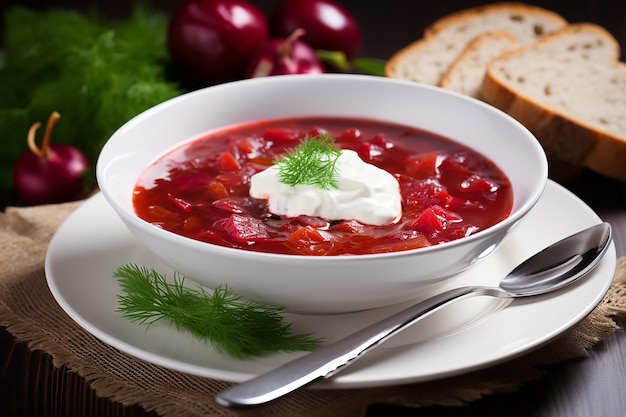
x=428, y=58
x=569, y=90
x=465, y=75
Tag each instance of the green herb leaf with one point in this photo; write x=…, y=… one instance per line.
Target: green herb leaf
x=234, y=326
x=338, y=61
x=97, y=75
x=312, y=162
x=335, y=59
x=369, y=66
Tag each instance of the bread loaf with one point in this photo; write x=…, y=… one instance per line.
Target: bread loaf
x=465, y=75
x=428, y=58
x=569, y=90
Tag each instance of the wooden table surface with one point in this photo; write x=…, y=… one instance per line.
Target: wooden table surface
x=594, y=386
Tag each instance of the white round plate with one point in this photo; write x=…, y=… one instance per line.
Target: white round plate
x=467, y=335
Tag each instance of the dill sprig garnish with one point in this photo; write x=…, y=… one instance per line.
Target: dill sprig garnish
x=233, y=326
x=312, y=162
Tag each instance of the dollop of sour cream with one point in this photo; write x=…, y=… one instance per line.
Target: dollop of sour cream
x=364, y=193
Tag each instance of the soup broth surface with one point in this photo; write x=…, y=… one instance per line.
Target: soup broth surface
x=201, y=189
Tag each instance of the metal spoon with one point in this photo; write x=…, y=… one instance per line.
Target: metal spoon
x=552, y=268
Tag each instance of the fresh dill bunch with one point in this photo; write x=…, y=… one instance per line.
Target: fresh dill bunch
x=236, y=327
x=96, y=73
x=312, y=162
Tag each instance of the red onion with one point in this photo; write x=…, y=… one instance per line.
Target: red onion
x=50, y=173
x=328, y=25
x=212, y=41
x=284, y=57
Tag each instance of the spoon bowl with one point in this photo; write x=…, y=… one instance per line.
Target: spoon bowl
x=560, y=264
x=549, y=270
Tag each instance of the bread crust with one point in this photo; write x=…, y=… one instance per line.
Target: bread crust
x=432, y=32
x=521, y=9
x=505, y=41
x=571, y=144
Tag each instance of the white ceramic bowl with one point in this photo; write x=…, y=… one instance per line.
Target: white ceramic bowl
x=321, y=284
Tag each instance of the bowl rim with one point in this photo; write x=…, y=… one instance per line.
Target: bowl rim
x=514, y=217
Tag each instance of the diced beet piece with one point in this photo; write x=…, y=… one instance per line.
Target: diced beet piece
x=281, y=135
x=423, y=193
x=455, y=165
x=381, y=142
x=447, y=215
x=287, y=227
x=315, y=222
x=365, y=151
x=228, y=163
x=183, y=204
x=435, y=219
x=246, y=229
x=350, y=135
x=316, y=131
x=428, y=222
x=252, y=146
x=424, y=166
x=370, y=150
x=479, y=188
x=457, y=203
x=248, y=145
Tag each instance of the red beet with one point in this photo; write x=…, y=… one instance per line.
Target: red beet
x=50, y=173
x=327, y=25
x=284, y=57
x=212, y=41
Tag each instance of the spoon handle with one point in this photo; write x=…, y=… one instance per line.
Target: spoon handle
x=335, y=356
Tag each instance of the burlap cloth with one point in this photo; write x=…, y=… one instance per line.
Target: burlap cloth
x=30, y=313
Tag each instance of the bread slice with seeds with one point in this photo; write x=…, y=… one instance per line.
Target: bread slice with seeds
x=428, y=58
x=465, y=75
x=569, y=90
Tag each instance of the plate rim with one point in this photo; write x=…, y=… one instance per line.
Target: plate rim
x=344, y=380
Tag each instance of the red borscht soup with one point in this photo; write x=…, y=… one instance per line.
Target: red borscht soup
x=201, y=189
